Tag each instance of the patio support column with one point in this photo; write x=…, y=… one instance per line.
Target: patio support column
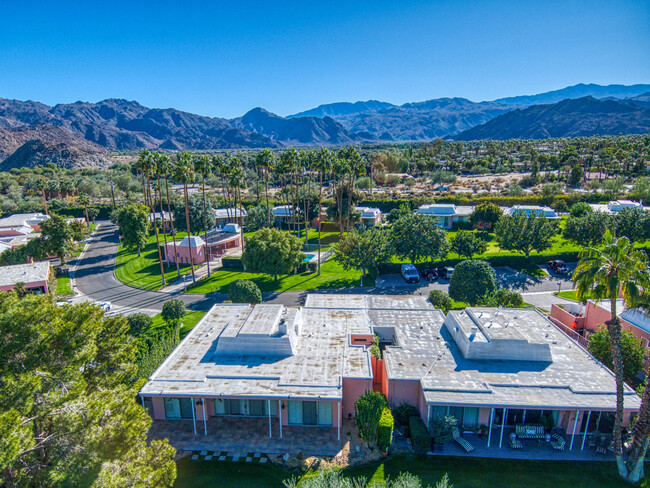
x=339, y=419
x=205, y=420
x=584, y=436
x=194, y=415
x=280, y=416
x=523, y=420
x=490, y=429
x=142, y=400
x=428, y=415
x=575, y=424
x=503, y=425
x=269, y=405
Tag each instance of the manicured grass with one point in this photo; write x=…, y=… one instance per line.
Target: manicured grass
x=332, y=276
x=463, y=473
x=569, y=294
x=188, y=322
x=63, y=285
x=144, y=271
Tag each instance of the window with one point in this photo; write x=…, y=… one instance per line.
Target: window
x=178, y=408
x=310, y=413
x=246, y=408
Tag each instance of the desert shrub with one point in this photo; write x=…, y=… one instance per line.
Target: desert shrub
x=368, y=410
x=440, y=299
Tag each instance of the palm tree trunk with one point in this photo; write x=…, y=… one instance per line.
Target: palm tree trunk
x=320, y=199
x=162, y=216
x=205, y=224
x=171, y=223
x=614, y=328
x=44, y=201
x=155, y=226
x=189, y=234
x=306, y=206
x=266, y=191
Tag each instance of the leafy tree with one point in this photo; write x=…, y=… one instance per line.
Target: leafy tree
x=397, y=213
x=472, y=280
x=588, y=229
x=197, y=217
x=66, y=418
x=440, y=299
x=367, y=413
x=416, y=237
x=364, y=250
x=580, y=209
x=139, y=324
x=486, y=214
x=244, y=291
x=525, y=233
x=273, y=252
x=632, y=349
x=133, y=221
x=78, y=230
x=503, y=297
x=255, y=219
x=633, y=223
x=35, y=249
x=602, y=274
x=172, y=312
x=57, y=236
x=467, y=244
x=93, y=213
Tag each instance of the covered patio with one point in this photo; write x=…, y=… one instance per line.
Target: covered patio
x=250, y=434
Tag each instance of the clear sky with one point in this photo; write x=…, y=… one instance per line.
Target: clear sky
x=223, y=58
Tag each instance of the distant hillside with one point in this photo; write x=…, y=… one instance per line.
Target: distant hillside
x=43, y=143
x=569, y=118
x=576, y=91
x=344, y=108
x=642, y=100
x=298, y=130
x=120, y=125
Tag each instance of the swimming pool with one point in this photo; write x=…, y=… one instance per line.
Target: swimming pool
x=308, y=257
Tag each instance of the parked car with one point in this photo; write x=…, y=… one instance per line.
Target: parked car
x=410, y=273
x=559, y=266
x=430, y=274
x=105, y=306
x=445, y=273
x=450, y=272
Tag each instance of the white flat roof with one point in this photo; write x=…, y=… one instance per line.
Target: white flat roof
x=24, y=273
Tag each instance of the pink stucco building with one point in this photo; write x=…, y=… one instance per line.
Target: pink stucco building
x=305, y=367
x=34, y=276
x=219, y=242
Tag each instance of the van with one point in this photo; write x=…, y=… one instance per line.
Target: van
x=410, y=273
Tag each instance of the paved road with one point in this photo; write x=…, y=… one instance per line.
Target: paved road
x=94, y=278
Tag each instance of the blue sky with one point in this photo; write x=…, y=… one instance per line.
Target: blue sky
x=224, y=58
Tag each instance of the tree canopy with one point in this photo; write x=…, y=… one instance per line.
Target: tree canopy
x=525, y=233
x=244, y=291
x=486, y=214
x=273, y=252
x=57, y=236
x=364, y=250
x=66, y=416
x=587, y=229
x=631, y=348
x=133, y=221
x=467, y=244
x=472, y=280
x=195, y=208
x=417, y=237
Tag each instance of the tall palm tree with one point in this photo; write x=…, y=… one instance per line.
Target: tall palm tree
x=323, y=164
x=165, y=168
x=203, y=165
x=84, y=200
x=141, y=165
x=184, y=173
x=237, y=181
x=148, y=163
x=41, y=185
x=157, y=169
x=604, y=274
x=266, y=160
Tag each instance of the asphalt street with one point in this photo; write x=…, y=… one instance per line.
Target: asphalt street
x=95, y=280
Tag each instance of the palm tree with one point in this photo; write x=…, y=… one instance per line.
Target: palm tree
x=142, y=164
x=237, y=181
x=148, y=161
x=604, y=274
x=165, y=168
x=156, y=168
x=41, y=185
x=184, y=172
x=266, y=161
x=203, y=165
x=323, y=164
x=84, y=200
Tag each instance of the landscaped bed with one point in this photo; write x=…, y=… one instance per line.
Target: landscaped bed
x=463, y=473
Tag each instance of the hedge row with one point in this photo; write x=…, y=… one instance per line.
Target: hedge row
x=232, y=263
x=385, y=430
x=420, y=438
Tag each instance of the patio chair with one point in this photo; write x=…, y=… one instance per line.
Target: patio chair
x=558, y=442
x=463, y=443
x=514, y=442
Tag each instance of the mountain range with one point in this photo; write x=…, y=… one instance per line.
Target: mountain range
x=82, y=133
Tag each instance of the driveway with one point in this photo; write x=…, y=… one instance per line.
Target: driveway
x=95, y=280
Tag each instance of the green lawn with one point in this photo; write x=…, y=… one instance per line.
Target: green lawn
x=569, y=294
x=332, y=276
x=144, y=271
x=188, y=322
x=463, y=473
x=63, y=285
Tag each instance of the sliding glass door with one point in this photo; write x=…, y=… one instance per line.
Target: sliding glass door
x=310, y=413
x=178, y=408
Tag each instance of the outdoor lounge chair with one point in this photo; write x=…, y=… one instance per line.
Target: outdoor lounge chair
x=530, y=431
x=463, y=443
x=558, y=442
x=514, y=442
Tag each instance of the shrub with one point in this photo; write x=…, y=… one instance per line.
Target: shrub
x=403, y=413
x=173, y=311
x=244, y=291
x=440, y=299
x=232, y=263
x=385, y=430
x=420, y=437
x=472, y=280
x=368, y=410
x=442, y=428
x=580, y=209
x=506, y=298
x=139, y=324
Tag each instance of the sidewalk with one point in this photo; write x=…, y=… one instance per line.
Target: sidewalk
x=185, y=281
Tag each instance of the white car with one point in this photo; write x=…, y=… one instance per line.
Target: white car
x=105, y=306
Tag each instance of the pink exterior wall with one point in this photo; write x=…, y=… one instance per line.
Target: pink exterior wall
x=198, y=254
x=407, y=391
x=158, y=408
x=566, y=318
x=29, y=286
x=353, y=388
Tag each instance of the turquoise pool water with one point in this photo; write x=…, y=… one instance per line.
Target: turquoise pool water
x=308, y=257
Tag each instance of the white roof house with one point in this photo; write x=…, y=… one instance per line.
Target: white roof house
x=22, y=223
x=196, y=241
x=445, y=209
x=224, y=213
x=283, y=211
x=27, y=274
x=369, y=212
x=547, y=212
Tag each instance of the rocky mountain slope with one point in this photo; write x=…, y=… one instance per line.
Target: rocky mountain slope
x=344, y=108
x=580, y=90
x=297, y=130
x=569, y=118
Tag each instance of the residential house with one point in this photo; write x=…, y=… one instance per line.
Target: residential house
x=447, y=213
x=229, y=216
x=369, y=216
x=305, y=367
x=547, y=212
x=283, y=214
x=34, y=276
x=219, y=242
x=21, y=224
x=616, y=206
